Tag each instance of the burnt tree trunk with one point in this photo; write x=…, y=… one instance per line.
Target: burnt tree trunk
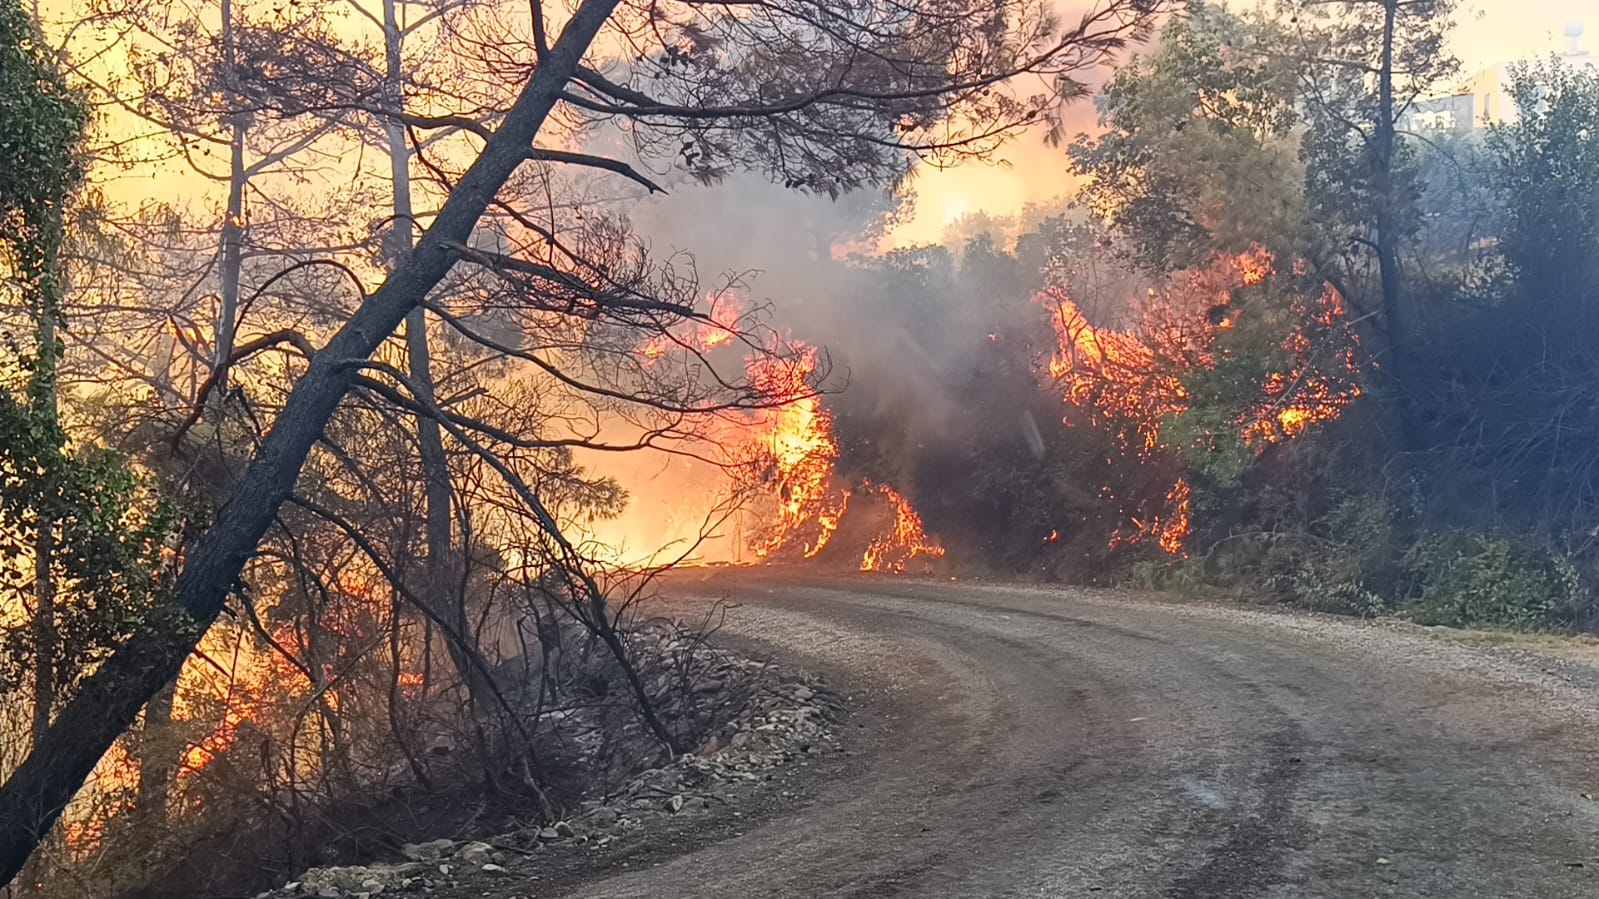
x=32, y=799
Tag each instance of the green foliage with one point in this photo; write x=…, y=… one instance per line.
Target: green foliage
x=1332, y=582
x=1178, y=575
x=80, y=532
x=112, y=555
x=44, y=118
x=1197, y=154
x=39, y=166
x=1472, y=580
x=1230, y=391
x=1338, y=47
x=1341, y=562
x=1458, y=206
x=1510, y=391
x=1546, y=174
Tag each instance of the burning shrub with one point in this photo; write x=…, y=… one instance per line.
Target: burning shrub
x=946, y=409
x=795, y=456
x=1222, y=364
x=778, y=455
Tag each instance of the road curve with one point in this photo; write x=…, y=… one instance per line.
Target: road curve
x=1061, y=743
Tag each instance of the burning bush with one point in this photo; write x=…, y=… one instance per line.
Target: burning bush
x=781, y=459
x=1222, y=364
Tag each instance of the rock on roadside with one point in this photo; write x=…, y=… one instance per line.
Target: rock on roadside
x=788, y=720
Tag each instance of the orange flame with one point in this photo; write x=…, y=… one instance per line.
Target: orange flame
x=1175, y=527
x=797, y=441
x=894, y=550
x=801, y=451
x=718, y=325
x=789, y=452
x=1131, y=380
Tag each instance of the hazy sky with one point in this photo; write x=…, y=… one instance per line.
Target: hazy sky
x=1488, y=32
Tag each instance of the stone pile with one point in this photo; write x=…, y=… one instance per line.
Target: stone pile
x=779, y=722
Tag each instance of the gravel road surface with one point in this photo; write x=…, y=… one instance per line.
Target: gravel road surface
x=1064, y=743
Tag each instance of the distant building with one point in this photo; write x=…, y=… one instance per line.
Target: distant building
x=1485, y=99
x=1452, y=113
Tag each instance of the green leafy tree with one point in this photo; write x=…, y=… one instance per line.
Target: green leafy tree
x=1546, y=173
x=39, y=167
x=109, y=554
x=81, y=536
x=1362, y=64
x=1515, y=401
x=1198, y=155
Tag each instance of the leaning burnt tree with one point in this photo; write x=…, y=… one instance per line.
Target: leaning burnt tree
x=823, y=95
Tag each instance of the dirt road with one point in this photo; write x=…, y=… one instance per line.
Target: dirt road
x=1064, y=743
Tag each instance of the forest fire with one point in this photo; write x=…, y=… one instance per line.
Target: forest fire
x=784, y=458
x=799, y=459
x=368, y=377
x=1130, y=383
x=796, y=452
x=1111, y=375
x=1133, y=381
x=895, y=549
x=719, y=325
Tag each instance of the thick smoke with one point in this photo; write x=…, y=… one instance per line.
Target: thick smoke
x=935, y=352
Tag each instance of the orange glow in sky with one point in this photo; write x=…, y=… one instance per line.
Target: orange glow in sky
x=1028, y=171
x=1487, y=32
